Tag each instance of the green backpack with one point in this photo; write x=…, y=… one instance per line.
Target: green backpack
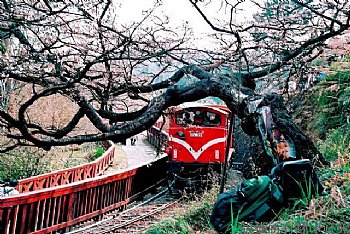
x=257, y=199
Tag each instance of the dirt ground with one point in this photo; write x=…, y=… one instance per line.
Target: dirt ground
x=73, y=157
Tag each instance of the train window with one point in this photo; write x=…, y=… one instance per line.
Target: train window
x=198, y=118
x=204, y=118
x=184, y=118
x=211, y=119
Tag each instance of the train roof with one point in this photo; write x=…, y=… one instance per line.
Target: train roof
x=220, y=108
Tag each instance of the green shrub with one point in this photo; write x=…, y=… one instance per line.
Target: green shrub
x=97, y=153
x=331, y=103
x=22, y=163
x=336, y=143
x=346, y=58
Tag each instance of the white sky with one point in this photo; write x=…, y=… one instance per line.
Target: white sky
x=179, y=11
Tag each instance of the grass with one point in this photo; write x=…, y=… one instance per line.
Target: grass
x=235, y=225
x=195, y=220
x=170, y=226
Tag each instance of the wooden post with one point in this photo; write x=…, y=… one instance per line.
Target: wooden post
x=228, y=144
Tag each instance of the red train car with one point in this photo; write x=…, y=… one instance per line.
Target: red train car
x=195, y=138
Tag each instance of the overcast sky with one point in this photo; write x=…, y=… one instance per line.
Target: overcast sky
x=179, y=11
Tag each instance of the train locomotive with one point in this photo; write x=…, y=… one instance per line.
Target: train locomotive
x=195, y=139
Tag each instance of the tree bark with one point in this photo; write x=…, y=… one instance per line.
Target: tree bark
x=304, y=146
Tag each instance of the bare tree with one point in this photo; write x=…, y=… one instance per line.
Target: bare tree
x=78, y=50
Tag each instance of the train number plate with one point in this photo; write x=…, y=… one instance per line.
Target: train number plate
x=196, y=134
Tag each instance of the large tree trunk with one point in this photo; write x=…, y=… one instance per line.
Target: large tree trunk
x=249, y=149
x=249, y=153
x=304, y=146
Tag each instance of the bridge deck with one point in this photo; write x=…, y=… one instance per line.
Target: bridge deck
x=131, y=156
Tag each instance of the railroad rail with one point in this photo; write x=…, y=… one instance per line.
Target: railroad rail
x=60, y=207
x=123, y=220
x=70, y=175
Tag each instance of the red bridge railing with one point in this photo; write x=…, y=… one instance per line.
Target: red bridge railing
x=59, y=208
x=157, y=137
x=66, y=176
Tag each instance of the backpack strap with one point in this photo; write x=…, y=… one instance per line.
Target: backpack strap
x=271, y=205
x=277, y=195
x=261, y=211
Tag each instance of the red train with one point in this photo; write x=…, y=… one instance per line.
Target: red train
x=195, y=138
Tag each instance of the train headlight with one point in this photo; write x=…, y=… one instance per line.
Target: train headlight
x=181, y=134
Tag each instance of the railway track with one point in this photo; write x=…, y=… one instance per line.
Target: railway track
x=137, y=218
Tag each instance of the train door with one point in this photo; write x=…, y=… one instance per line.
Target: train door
x=213, y=136
x=178, y=136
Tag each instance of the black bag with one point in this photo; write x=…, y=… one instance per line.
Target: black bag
x=297, y=179
x=257, y=199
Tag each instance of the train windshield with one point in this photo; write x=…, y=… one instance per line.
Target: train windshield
x=199, y=118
